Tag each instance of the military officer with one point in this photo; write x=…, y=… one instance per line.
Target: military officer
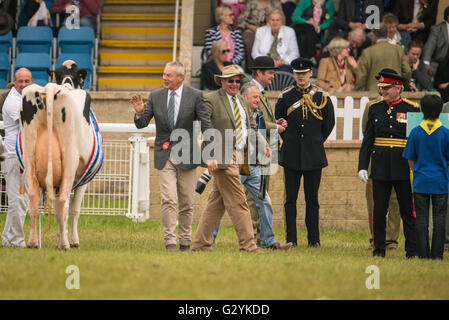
x=384, y=141
x=310, y=119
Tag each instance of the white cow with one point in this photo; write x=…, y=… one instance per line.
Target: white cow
x=61, y=147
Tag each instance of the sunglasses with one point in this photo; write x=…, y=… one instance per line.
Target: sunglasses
x=225, y=51
x=233, y=80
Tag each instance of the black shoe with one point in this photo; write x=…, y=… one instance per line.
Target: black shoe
x=314, y=245
x=184, y=248
x=379, y=253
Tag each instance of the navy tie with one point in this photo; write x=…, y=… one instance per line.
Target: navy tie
x=171, y=110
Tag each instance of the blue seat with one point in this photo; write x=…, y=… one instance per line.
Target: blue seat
x=76, y=40
x=5, y=67
x=6, y=42
x=34, y=39
x=37, y=63
x=83, y=60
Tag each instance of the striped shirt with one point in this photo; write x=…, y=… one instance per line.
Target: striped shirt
x=213, y=34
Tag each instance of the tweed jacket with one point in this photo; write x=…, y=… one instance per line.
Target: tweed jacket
x=328, y=75
x=437, y=45
x=377, y=57
x=222, y=119
x=254, y=13
x=191, y=109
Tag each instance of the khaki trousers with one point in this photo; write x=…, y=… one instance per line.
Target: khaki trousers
x=393, y=227
x=177, y=189
x=226, y=195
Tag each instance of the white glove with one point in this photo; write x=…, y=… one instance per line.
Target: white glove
x=363, y=175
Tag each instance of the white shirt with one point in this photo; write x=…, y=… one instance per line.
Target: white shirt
x=11, y=122
x=177, y=97
x=243, y=120
x=415, y=10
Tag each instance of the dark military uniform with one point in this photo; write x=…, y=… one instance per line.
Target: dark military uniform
x=384, y=141
x=302, y=152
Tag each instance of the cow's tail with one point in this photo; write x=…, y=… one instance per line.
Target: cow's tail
x=50, y=92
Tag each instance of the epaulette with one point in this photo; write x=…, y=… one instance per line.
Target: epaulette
x=286, y=90
x=370, y=103
x=414, y=104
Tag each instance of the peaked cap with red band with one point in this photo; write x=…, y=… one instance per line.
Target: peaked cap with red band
x=389, y=77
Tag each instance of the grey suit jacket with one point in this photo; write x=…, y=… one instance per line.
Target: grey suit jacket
x=191, y=109
x=437, y=45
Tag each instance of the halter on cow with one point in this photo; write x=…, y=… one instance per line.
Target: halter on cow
x=60, y=147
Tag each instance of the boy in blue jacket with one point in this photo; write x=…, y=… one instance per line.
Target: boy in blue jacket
x=427, y=151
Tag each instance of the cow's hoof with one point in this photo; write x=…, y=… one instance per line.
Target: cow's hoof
x=64, y=247
x=32, y=246
x=74, y=245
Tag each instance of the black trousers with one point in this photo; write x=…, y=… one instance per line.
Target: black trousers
x=292, y=179
x=381, y=197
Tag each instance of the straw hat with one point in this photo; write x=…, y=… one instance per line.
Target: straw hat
x=228, y=72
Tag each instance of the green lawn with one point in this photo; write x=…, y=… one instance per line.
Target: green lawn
x=120, y=259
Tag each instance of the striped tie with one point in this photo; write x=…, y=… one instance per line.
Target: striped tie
x=171, y=110
x=238, y=122
x=264, y=97
x=420, y=12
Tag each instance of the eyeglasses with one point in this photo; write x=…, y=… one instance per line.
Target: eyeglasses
x=225, y=51
x=234, y=80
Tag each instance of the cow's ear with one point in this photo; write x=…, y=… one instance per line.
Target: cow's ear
x=52, y=74
x=82, y=74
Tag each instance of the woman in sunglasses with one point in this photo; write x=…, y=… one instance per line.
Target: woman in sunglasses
x=224, y=31
x=215, y=64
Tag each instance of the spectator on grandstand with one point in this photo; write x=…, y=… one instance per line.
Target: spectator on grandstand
x=382, y=55
x=254, y=16
x=389, y=5
x=8, y=9
x=393, y=35
x=358, y=42
x=437, y=45
x=312, y=18
x=215, y=64
x=277, y=41
x=237, y=8
x=37, y=13
x=420, y=78
x=416, y=17
x=288, y=6
x=441, y=80
x=352, y=14
x=224, y=31
x=337, y=72
x=88, y=10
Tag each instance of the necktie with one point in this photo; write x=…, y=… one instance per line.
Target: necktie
x=238, y=121
x=274, y=50
x=260, y=120
x=420, y=11
x=264, y=97
x=171, y=110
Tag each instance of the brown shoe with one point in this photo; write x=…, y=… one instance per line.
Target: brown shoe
x=184, y=248
x=171, y=247
x=278, y=246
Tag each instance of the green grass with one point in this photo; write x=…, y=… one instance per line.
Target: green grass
x=120, y=259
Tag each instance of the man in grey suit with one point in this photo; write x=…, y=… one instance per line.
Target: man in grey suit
x=437, y=45
x=175, y=106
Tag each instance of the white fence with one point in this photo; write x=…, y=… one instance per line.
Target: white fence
x=122, y=185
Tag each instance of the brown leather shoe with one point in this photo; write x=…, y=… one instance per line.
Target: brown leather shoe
x=171, y=247
x=278, y=246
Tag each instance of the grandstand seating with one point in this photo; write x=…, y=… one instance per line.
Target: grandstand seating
x=5, y=67
x=6, y=42
x=37, y=63
x=80, y=40
x=35, y=39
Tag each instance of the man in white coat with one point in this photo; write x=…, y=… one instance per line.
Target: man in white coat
x=277, y=41
x=13, y=235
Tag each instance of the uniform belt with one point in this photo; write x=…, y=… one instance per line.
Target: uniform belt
x=390, y=142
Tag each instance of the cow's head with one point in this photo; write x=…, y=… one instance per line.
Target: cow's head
x=69, y=74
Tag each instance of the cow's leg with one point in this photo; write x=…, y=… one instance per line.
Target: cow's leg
x=34, y=199
x=62, y=214
x=74, y=213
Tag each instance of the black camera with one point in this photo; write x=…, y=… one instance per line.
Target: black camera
x=202, y=181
